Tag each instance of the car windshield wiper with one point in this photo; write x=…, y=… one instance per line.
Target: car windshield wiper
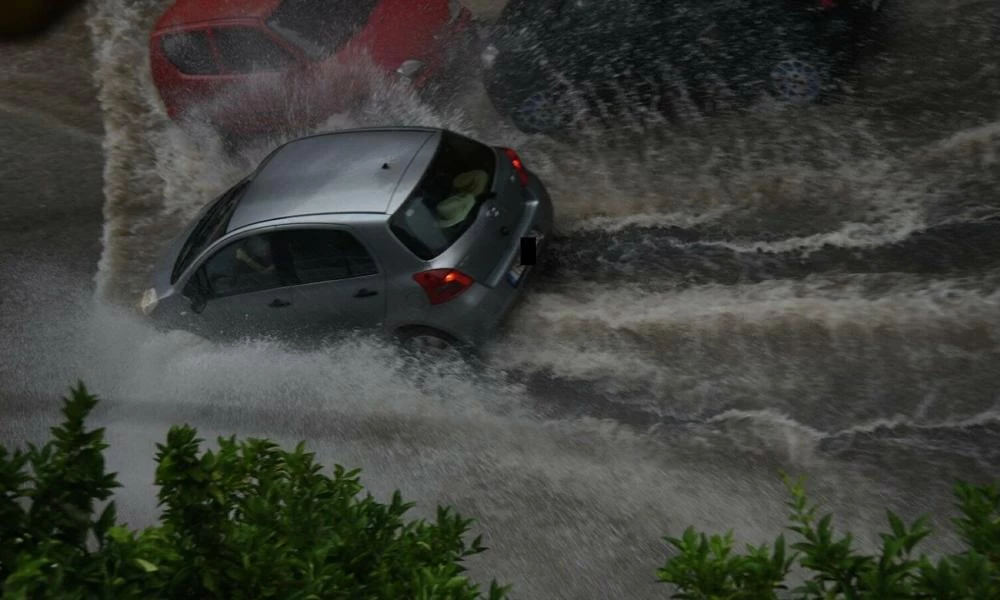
x=211, y=223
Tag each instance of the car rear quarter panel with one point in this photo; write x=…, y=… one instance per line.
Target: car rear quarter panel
x=400, y=30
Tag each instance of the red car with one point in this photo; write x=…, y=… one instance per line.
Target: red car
x=260, y=66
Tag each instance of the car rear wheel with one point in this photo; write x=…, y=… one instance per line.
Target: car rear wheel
x=426, y=342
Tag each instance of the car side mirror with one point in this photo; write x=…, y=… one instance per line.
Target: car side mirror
x=196, y=291
x=198, y=302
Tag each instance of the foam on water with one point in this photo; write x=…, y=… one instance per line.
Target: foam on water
x=572, y=504
x=613, y=411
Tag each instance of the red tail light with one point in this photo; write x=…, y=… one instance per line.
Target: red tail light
x=827, y=4
x=515, y=160
x=443, y=285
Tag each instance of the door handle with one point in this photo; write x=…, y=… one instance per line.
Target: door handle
x=279, y=303
x=365, y=293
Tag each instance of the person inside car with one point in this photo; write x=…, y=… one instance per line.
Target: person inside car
x=256, y=254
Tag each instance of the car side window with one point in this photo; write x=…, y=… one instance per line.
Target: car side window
x=242, y=267
x=249, y=50
x=327, y=255
x=190, y=52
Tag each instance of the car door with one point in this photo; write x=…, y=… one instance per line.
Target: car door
x=246, y=289
x=261, y=76
x=339, y=286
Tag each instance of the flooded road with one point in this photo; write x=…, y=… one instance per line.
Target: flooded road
x=722, y=301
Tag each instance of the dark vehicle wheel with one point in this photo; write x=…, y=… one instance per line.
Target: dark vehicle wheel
x=798, y=81
x=429, y=343
x=543, y=111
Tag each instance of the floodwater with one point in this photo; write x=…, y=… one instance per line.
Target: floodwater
x=723, y=301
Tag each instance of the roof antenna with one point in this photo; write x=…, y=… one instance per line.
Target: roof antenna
x=385, y=165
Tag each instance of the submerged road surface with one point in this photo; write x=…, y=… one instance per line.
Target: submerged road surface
x=723, y=301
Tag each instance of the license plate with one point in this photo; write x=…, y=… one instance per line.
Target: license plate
x=516, y=273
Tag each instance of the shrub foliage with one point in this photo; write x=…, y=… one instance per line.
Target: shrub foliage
x=247, y=521
x=251, y=520
x=706, y=567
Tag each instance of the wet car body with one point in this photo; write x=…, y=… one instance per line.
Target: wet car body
x=550, y=60
x=262, y=66
x=346, y=217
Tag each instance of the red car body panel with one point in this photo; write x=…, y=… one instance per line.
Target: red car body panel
x=308, y=90
x=189, y=12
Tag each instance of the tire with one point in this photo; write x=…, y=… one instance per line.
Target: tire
x=798, y=81
x=548, y=110
x=429, y=343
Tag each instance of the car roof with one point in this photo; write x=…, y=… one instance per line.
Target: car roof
x=350, y=171
x=186, y=12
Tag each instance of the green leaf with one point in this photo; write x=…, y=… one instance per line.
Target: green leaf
x=455, y=583
x=146, y=565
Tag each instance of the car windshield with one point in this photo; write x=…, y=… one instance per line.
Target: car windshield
x=211, y=227
x=320, y=27
x=446, y=202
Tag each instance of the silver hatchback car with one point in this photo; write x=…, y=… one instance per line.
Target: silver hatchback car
x=419, y=232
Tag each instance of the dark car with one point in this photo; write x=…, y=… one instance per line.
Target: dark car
x=549, y=61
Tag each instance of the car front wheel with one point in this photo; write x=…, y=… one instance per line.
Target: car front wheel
x=797, y=81
x=544, y=111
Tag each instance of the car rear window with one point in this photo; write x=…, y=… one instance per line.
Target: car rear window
x=249, y=50
x=447, y=199
x=189, y=52
x=321, y=27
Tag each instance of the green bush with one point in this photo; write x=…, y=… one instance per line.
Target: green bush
x=248, y=521
x=254, y=521
x=707, y=568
